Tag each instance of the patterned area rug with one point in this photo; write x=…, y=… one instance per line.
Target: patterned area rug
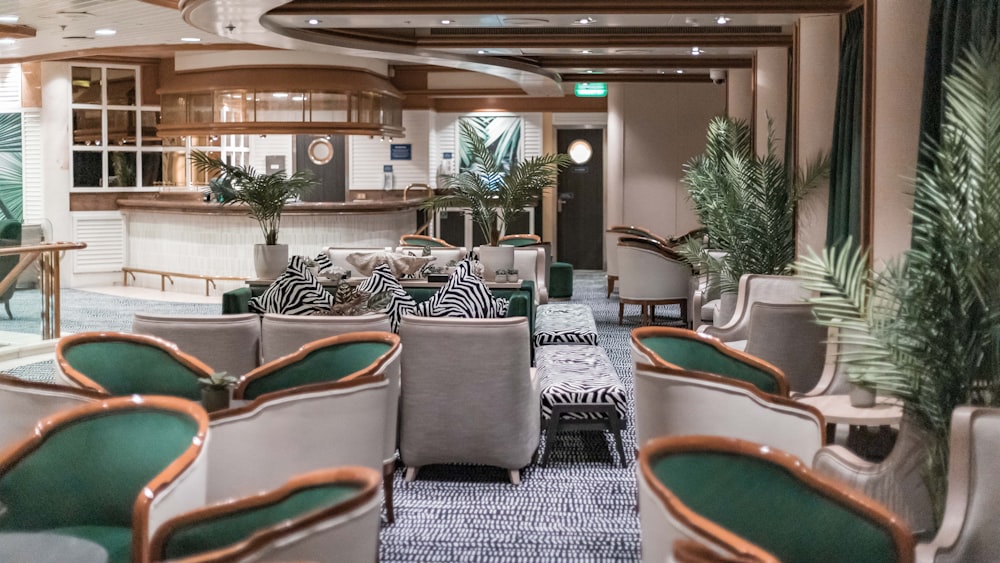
x=580, y=507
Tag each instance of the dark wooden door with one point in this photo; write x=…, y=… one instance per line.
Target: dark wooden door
x=580, y=200
x=326, y=162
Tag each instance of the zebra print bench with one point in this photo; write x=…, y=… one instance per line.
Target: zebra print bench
x=579, y=389
x=564, y=323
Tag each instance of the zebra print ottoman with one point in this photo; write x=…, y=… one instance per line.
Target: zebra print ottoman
x=579, y=389
x=564, y=323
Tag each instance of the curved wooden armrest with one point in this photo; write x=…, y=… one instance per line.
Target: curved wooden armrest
x=654, y=245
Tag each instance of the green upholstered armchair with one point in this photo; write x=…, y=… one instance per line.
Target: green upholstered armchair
x=741, y=498
x=674, y=401
x=118, y=363
x=341, y=359
x=10, y=235
x=109, y=472
x=693, y=351
x=318, y=516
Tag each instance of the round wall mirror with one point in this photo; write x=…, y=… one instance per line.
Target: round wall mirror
x=580, y=151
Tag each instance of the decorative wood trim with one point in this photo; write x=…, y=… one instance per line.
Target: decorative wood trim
x=199, y=368
x=163, y=3
x=405, y=240
x=400, y=7
x=301, y=208
x=513, y=39
x=753, y=100
x=868, y=126
x=834, y=491
x=48, y=388
x=638, y=334
x=366, y=479
x=16, y=31
x=281, y=78
x=525, y=104
x=149, y=493
x=347, y=383
x=370, y=371
x=646, y=62
x=666, y=368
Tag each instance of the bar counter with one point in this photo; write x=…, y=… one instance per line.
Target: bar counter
x=195, y=237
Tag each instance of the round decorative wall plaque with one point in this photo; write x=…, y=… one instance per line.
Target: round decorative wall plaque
x=320, y=150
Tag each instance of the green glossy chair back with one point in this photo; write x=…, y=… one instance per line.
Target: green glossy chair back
x=127, y=366
x=229, y=531
x=519, y=240
x=423, y=240
x=689, y=351
x=770, y=500
x=323, y=361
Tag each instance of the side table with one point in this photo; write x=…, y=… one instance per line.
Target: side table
x=837, y=409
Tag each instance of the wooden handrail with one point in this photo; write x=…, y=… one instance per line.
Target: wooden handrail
x=47, y=253
x=165, y=275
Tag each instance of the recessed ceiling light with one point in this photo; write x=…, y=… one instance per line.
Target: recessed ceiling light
x=584, y=21
x=9, y=18
x=696, y=51
x=190, y=39
x=313, y=21
x=482, y=51
x=585, y=51
x=679, y=71
x=722, y=20
x=447, y=22
x=106, y=32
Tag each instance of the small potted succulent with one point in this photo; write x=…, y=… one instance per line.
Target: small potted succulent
x=215, y=390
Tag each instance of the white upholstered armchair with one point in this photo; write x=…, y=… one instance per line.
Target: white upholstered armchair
x=468, y=394
x=651, y=274
x=755, y=288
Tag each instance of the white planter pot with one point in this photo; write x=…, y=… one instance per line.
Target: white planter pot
x=862, y=396
x=495, y=258
x=270, y=260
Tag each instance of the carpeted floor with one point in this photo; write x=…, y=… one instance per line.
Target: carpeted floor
x=580, y=507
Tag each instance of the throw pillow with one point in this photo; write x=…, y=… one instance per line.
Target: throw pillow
x=464, y=295
x=297, y=291
x=399, y=302
x=399, y=264
x=323, y=263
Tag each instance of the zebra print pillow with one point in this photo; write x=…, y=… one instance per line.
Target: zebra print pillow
x=400, y=302
x=464, y=295
x=323, y=263
x=295, y=292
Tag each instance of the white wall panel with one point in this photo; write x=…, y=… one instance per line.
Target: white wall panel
x=34, y=195
x=368, y=155
x=10, y=88
x=104, y=234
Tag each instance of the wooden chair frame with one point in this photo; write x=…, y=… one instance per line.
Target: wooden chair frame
x=190, y=362
x=638, y=334
x=403, y=241
x=365, y=477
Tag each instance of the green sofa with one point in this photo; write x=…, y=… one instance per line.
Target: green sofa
x=521, y=299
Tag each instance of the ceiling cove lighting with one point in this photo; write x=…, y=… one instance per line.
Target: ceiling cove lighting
x=696, y=51
x=105, y=32
x=722, y=20
x=447, y=21
x=190, y=39
x=313, y=21
x=9, y=18
x=591, y=90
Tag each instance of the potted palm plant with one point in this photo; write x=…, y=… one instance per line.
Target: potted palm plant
x=927, y=328
x=747, y=204
x=265, y=195
x=493, y=195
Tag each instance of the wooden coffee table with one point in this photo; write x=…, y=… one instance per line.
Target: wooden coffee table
x=837, y=409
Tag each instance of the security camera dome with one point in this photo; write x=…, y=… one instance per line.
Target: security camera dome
x=717, y=75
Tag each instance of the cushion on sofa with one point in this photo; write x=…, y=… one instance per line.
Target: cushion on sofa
x=464, y=295
x=400, y=303
x=297, y=291
x=400, y=264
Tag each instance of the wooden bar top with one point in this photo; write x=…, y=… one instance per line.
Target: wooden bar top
x=303, y=208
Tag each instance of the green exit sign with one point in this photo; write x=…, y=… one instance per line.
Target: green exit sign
x=591, y=90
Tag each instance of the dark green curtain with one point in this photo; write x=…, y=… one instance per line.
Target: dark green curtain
x=954, y=26
x=844, y=211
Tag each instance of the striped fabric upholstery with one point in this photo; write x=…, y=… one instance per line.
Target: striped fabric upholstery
x=295, y=292
x=564, y=323
x=400, y=302
x=464, y=295
x=323, y=263
x=575, y=374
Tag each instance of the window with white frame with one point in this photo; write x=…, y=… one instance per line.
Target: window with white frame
x=115, y=143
